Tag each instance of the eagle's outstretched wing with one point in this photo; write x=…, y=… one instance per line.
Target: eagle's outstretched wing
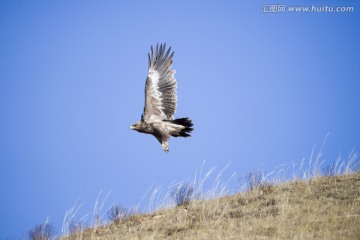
x=160, y=88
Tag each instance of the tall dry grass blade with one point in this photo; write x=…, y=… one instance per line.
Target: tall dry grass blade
x=69, y=218
x=97, y=218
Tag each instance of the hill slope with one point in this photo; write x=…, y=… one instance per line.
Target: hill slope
x=321, y=208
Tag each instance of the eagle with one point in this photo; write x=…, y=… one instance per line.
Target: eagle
x=157, y=118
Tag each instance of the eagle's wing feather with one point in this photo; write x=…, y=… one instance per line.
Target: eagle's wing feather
x=160, y=88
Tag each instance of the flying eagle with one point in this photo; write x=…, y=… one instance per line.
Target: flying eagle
x=160, y=100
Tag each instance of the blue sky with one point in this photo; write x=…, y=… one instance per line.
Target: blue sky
x=262, y=90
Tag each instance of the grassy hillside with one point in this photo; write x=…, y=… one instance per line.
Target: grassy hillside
x=320, y=208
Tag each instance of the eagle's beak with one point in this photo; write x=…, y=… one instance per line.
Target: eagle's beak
x=131, y=127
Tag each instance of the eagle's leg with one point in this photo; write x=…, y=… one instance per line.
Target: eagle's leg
x=165, y=146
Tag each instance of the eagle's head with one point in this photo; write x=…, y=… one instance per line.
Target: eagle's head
x=135, y=126
x=140, y=127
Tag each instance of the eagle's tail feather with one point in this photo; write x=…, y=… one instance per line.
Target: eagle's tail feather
x=187, y=123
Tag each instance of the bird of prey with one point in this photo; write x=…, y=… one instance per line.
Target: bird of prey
x=160, y=100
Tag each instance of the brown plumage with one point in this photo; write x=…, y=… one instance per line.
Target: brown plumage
x=160, y=100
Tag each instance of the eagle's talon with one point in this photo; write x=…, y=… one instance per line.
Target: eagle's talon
x=165, y=147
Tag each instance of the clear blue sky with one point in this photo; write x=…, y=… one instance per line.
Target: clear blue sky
x=262, y=90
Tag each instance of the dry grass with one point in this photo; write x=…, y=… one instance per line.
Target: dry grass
x=318, y=208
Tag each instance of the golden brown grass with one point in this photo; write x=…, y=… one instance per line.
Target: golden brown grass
x=320, y=208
